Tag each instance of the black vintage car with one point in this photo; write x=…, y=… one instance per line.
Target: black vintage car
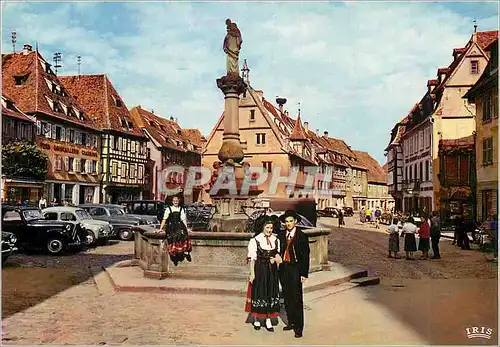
x=33, y=232
x=8, y=245
x=348, y=211
x=328, y=212
x=145, y=207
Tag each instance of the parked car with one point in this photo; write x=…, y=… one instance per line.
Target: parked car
x=145, y=207
x=348, y=211
x=328, y=212
x=121, y=221
x=8, y=245
x=34, y=232
x=98, y=230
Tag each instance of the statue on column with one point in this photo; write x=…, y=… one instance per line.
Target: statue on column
x=232, y=46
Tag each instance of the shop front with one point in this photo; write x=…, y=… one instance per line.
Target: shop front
x=16, y=191
x=73, y=193
x=456, y=202
x=115, y=194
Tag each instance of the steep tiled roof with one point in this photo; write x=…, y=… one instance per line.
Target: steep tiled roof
x=194, y=136
x=164, y=131
x=339, y=146
x=28, y=80
x=10, y=109
x=486, y=38
x=298, y=133
x=375, y=172
x=102, y=103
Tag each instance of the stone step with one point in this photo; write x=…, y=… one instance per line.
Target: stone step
x=366, y=281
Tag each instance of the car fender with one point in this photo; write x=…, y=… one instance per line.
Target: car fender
x=57, y=232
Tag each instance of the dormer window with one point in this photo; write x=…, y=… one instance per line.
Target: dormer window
x=152, y=123
x=166, y=139
x=130, y=125
x=64, y=108
x=179, y=132
x=20, y=80
x=118, y=102
x=162, y=127
x=124, y=123
x=80, y=115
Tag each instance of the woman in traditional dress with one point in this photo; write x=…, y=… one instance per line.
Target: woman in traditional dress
x=174, y=223
x=409, y=230
x=393, y=231
x=263, y=303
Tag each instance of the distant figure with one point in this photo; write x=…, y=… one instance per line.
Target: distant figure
x=409, y=230
x=393, y=231
x=425, y=233
x=341, y=218
x=435, y=235
x=42, y=203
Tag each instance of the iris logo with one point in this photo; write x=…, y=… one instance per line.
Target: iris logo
x=479, y=332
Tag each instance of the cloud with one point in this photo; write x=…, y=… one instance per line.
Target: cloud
x=356, y=68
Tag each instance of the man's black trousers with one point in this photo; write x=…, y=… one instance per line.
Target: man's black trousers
x=292, y=294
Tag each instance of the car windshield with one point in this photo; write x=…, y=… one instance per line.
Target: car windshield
x=32, y=214
x=83, y=215
x=115, y=211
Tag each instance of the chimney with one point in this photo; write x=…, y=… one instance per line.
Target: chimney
x=306, y=127
x=317, y=132
x=325, y=133
x=27, y=48
x=171, y=118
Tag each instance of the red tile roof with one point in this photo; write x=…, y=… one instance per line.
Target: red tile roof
x=31, y=95
x=10, y=109
x=195, y=137
x=375, y=172
x=298, y=133
x=164, y=131
x=485, y=38
x=102, y=103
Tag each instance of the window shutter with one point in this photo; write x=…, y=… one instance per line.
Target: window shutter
x=68, y=131
x=63, y=134
x=53, y=131
x=77, y=137
x=38, y=127
x=88, y=166
x=66, y=164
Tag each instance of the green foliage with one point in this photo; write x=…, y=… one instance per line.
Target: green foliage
x=24, y=160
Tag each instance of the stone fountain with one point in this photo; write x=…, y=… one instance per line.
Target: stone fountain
x=221, y=253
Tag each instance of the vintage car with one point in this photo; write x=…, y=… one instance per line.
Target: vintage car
x=33, y=232
x=8, y=245
x=250, y=226
x=145, y=207
x=348, y=211
x=98, y=230
x=328, y=212
x=119, y=219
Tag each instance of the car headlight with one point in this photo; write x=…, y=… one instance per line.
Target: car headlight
x=13, y=239
x=101, y=229
x=68, y=227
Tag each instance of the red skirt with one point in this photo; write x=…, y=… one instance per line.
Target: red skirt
x=179, y=247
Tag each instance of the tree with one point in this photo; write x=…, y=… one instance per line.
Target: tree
x=24, y=160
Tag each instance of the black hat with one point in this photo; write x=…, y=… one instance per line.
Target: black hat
x=290, y=213
x=261, y=221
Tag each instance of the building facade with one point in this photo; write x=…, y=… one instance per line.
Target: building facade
x=457, y=177
x=64, y=131
x=123, y=155
x=168, y=145
x=453, y=118
x=484, y=94
x=395, y=164
x=18, y=127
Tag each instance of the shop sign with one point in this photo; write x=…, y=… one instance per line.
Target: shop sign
x=89, y=153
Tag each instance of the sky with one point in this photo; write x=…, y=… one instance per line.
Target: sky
x=356, y=68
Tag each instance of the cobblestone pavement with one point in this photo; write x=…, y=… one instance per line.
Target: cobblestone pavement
x=56, y=300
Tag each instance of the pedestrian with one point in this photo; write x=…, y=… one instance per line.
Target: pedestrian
x=409, y=230
x=264, y=258
x=362, y=215
x=174, y=223
x=462, y=237
x=368, y=215
x=341, y=218
x=424, y=233
x=393, y=231
x=42, y=203
x=294, y=270
x=435, y=235
x=378, y=214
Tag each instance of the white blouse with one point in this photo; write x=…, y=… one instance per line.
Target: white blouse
x=252, y=245
x=409, y=228
x=176, y=209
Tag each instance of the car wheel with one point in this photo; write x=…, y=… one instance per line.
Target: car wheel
x=55, y=245
x=90, y=238
x=126, y=234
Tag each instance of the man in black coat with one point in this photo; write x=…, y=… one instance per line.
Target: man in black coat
x=294, y=270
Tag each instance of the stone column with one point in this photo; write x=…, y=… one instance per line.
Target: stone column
x=232, y=86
